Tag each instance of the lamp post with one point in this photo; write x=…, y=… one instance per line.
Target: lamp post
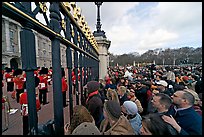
x=98, y=25
x=98, y=31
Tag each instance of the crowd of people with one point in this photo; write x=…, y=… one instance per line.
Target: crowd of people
x=147, y=100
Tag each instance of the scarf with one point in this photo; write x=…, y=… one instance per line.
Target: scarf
x=91, y=94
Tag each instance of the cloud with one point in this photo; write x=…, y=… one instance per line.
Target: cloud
x=142, y=26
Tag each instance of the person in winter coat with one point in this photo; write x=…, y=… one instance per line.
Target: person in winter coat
x=112, y=95
x=131, y=96
x=122, y=94
x=94, y=103
x=130, y=110
x=183, y=116
x=115, y=123
x=80, y=115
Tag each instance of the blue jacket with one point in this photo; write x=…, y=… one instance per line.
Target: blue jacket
x=136, y=123
x=189, y=120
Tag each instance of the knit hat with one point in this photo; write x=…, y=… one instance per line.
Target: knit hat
x=86, y=128
x=92, y=86
x=130, y=107
x=113, y=109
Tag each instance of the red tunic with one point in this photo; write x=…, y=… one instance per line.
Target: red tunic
x=24, y=103
x=9, y=77
x=73, y=78
x=19, y=82
x=64, y=85
x=43, y=82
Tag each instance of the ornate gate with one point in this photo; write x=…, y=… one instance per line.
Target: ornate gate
x=64, y=17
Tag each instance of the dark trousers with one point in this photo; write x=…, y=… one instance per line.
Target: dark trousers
x=43, y=96
x=64, y=98
x=18, y=92
x=10, y=86
x=25, y=125
x=74, y=89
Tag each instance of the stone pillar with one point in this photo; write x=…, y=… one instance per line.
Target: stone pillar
x=36, y=47
x=19, y=40
x=103, y=45
x=7, y=35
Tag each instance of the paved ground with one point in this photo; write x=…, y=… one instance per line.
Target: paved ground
x=15, y=120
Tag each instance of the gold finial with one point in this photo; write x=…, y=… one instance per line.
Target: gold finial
x=43, y=6
x=72, y=32
x=78, y=10
x=63, y=24
x=86, y=26
x=73, y=4
x=75, y=13
x=75, y=17
x=82, y=20
x=68, y=5
x=80, y=24
x=78, y=38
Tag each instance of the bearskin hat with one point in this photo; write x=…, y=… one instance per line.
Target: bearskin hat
x=63, y=72
x=18, y=72
x=43, y=70
x=8, y=69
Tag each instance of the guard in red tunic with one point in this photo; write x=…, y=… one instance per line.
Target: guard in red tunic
x=74, y=81
x=36, y=73
x=9, y=79
x=19, y=81
x=64, y=88
x=24, y=109
x=43, y=86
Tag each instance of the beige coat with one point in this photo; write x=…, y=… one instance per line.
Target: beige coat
x=121, y=127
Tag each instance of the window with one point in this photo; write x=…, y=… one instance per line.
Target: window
x=11, y=34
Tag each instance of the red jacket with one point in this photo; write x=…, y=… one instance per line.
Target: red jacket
x=64, y=85
x=19, y=82
x=9, y=77
x=24, y=101
x=43, y=82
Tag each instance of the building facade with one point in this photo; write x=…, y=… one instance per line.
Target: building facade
x=11, y=47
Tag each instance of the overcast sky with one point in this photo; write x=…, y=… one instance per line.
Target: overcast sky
x=142, y=26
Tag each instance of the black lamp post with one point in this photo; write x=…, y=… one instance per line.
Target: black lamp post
x=98, y=25
x=99, y=32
